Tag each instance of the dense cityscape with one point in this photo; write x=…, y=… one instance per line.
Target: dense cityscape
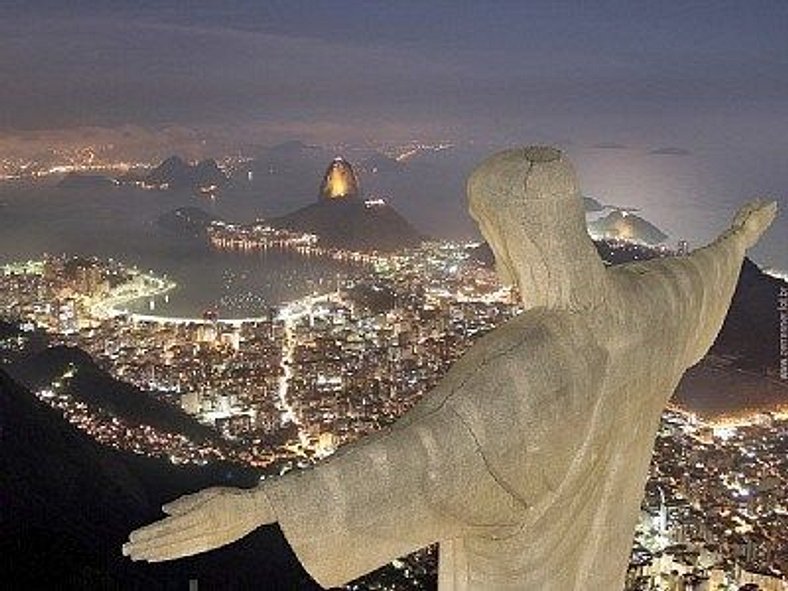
x=288, y=388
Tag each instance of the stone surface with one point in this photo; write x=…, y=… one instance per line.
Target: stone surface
x=527, y=462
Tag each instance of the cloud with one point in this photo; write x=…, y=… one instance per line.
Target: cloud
x=99, y=72
x=256, y=74
x=670, y=151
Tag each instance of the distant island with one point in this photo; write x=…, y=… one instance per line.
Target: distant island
x=174, y=173
x=620, y=224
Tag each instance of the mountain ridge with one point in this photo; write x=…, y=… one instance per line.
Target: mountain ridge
x=95, y=387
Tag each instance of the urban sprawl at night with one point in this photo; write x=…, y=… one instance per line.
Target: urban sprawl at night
x=291, y=386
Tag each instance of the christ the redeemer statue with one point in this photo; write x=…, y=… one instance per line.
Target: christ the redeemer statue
x=527, y=462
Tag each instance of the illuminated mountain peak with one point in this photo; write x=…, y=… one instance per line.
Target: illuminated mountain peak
x=339, y=182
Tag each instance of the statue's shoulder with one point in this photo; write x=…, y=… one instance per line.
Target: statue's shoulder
x=505, y=342
x=528, y=357
x=532, y=341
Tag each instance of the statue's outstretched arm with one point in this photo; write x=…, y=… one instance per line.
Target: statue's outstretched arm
x=388, y=495
x=375, y=500
x=717, y=267
x=700, y=286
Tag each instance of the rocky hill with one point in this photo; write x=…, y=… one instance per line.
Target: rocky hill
x=619, y=224
x=175, y=173
x=352, y=224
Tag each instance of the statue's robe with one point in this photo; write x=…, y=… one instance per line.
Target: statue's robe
x=527, y=462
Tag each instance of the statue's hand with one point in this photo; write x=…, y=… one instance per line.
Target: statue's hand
x=752, y=220
x=202, y=521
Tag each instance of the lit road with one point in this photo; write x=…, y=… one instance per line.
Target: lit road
x=290, y=314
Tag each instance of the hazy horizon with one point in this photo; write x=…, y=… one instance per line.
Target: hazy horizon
x=677, y=109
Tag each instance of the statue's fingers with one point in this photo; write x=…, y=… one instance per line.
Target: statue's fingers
x=758, y=211
x=167, y=525
x=759, y=221
x=140, y=549
x=188, y=502
x=745, y=211
x=133, y=548
x=185, y=546
x=770, y=211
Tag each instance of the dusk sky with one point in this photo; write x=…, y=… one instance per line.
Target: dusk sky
x=674, y=80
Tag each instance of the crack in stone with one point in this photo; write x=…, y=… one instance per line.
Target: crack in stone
x=500, y=481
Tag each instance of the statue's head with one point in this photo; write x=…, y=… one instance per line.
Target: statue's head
x=528, y=206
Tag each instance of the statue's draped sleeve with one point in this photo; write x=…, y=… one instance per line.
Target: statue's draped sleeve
x=410, y=485
x=698, y=289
